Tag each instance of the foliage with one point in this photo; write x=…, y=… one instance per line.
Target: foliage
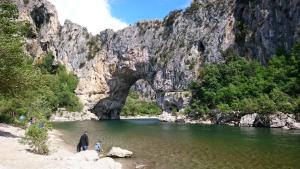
x=135, y=106
x=27, y=89
x=247, y=86
x=36, y=137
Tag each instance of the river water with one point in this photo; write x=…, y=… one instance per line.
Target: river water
x=185, y=146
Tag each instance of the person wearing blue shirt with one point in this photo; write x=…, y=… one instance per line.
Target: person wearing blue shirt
x=98, y=147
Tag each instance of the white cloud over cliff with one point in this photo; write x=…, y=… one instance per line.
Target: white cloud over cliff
x=95, y=15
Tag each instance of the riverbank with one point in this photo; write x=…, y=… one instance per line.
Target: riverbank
x=275, y=120
x=138, y=117
x=19, y=156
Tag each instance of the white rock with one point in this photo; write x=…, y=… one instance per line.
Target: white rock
x=285, y=128
x=167, y=117
x=118, y=152
x=278, y=120
x=248, y=120
x=89, y=155
x=107, y=163
x=63, y=115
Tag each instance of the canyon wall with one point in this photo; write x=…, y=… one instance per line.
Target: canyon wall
x=167, y=54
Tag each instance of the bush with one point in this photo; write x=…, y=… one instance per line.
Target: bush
x=37, y=138
x=135, y=106
x=247, y=86
x=27, y=89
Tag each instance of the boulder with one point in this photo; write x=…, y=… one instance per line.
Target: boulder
x=89, y=155
x=227, y=118
x=89, y=160
x=291, y=122
x=295, y=126
x=278, y=120
x=167, y=117
x=119, y=153
x=180, y=118
x=107, y=163
x=261, y=121
x=285, y=128
x=248, y=120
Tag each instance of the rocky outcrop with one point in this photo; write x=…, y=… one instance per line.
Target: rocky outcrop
x=62, y=115
x=117, y=152
x=167, y=117
x=144, y=90
x=175, y=101
x=232, y=118
x=167, y=54
x=248, y=120
x=280, y=120
x=276, y=120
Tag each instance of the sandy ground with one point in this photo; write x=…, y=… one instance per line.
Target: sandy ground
x=17, y=156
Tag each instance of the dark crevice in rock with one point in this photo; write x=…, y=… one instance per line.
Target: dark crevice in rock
x=40, y=16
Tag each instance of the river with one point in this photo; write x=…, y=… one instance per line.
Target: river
x=185, y=146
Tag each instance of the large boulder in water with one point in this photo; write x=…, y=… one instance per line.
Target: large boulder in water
x=278, y=120
x=248, y=120
x=119, y=153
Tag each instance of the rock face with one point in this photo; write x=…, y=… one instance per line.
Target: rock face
x=167, y=54
x=280, y=120
x=63, y=115
x=119, y=153
x=277, y=120
x=248, y=120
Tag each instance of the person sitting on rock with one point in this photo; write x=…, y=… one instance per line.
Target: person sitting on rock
x=83, y=142
x=98, y=147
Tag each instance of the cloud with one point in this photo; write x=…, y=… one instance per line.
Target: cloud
x=95, y=15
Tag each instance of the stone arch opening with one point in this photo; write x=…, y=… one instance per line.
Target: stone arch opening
x=141, y=100
x=122, y=80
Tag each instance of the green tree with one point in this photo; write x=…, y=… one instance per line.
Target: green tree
x=247, y=86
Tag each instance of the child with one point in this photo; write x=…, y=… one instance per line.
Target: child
x=98, y=147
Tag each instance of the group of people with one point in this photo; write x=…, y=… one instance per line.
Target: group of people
x=84, y=143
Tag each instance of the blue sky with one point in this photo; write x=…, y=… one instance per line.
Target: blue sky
x=131, y=11
x=97, y=15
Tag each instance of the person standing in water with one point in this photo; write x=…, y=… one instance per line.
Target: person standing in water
x=83, y=142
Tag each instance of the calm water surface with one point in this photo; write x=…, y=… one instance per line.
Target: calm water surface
x=184, y=146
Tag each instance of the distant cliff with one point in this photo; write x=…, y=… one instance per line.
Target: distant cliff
x=168, y=54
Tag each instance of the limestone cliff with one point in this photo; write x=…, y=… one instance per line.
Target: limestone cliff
x=168, y=54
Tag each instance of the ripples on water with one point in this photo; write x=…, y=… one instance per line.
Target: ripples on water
x=184, y=146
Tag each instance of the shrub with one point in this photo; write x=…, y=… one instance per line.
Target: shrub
x=37, y=138
x=246, y=86
x=135, y=106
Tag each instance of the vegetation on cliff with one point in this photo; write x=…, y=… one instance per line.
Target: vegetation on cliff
x=136, y=106
x=27, y=89
x=244, y=85
x=32, y=90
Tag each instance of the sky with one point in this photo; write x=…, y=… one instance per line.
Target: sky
x=97, y=15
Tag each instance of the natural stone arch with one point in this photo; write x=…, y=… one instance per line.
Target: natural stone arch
x=119, y=87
